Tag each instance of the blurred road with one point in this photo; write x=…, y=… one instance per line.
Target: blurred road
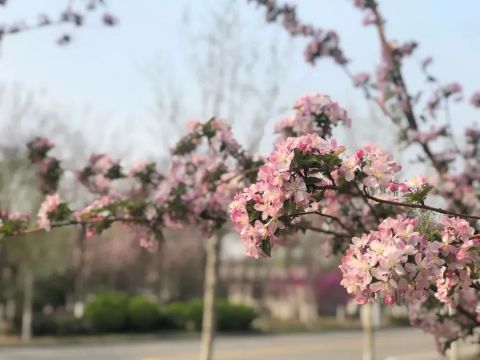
x=336, y=346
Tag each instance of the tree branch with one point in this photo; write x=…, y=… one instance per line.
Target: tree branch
x=421, y=206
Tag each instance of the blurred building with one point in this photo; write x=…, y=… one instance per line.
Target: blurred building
x=283, y=292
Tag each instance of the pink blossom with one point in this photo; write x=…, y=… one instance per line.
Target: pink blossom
x=426, y=62
x=452, y=89
x=379, y=167
x=475, y=99
x=361, y=79
x=47, y=209
x=425, y=137
x=109, y=19
x=314, y=113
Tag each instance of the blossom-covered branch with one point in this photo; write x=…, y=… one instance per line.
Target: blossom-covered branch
x=73, y=15
x=308, y=182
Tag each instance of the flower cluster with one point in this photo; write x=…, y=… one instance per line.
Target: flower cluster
x=146, y=174
x=407, y=261
x=75, y=17
x=38, y=149
x=97, y=176
x=203, y=176
x=472, y=135
x=100, y=214
x=426, y=62
x=11, y=223
x=322, y=43
x=401, y=50
x=452, y=89
x=48, y=167
x=475, y=99
x=314, y=114
x=433, y=103
x=192, y=193
x=307, y=175
x=364, y=4
x=424, y=137
x=446, y=326
x=443, y=93
x=373, y=165
x=361, y=79
x=208, y=167
x=52, y=209
x=386, y=75
x=262, y=210
x=218, y=134
x=109, y=19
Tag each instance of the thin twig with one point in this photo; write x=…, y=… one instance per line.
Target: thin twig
x=421, y=206
x=320, y=230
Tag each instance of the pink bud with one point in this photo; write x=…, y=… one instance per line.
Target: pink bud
x=393, y=187
x=388, y=299
x=461, y=255
x=359, y=154
x=403, y=187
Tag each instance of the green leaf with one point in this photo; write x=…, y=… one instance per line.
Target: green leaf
x=184, y=146
x=115, y=172
x=419, y=195
x=266, y=247
x=208, y=130
x=180, y=190
x=312, y=180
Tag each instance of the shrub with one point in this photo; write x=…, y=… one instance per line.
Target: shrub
x=59, y=325
x=230, y=317
x=69, y=325
x=143, y=313
x=108, y=312
x=183, y=314
x=44, y=325
x=399, y=320
x=233, y=317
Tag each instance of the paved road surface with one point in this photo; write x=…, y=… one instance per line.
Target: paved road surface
x=335, y=346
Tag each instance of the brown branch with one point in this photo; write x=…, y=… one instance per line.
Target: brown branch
x=372, y=209
x=366, y=92
x=468, y=314
x=331, y=217
x=421, y=206
x=76, y=222
x=407, y=106
x=320, y=230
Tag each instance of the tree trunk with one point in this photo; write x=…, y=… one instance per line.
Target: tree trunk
x=27, y=305
x=163, y=292
x=79, y=287
x=209, y=293
x=368, y=332
x=453, y=353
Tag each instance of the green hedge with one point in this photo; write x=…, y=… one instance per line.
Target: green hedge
x=230, y=317
x=114, y=312
x=108, y=312
x=143, y=314
x=233, y=317
x=59, y=325
x=186, y=315
x=399, y=320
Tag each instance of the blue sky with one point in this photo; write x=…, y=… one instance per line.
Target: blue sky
x=107, y=70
